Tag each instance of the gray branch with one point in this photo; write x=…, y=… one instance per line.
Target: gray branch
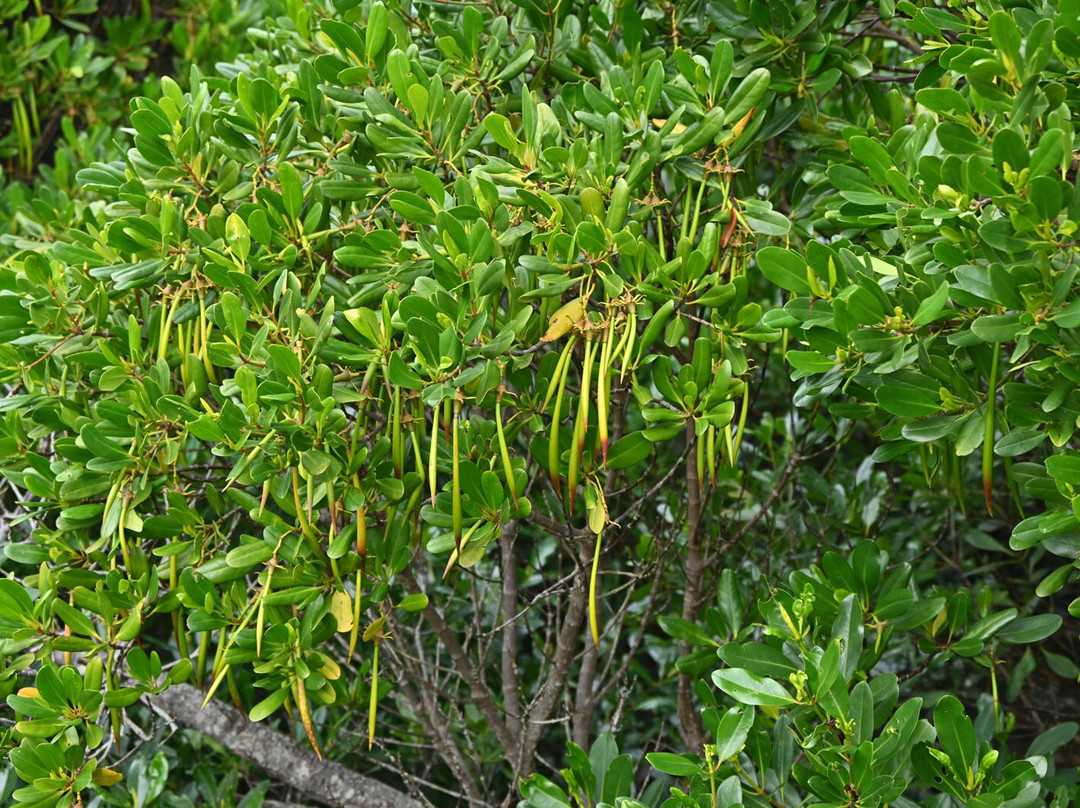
x=283, y=759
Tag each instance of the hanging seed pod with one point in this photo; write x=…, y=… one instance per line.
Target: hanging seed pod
x=710, y=453
x=206, y=326
x=598, y=520
x=603, y=389
x=418, y=455
x=581, y=423
x=456, y=484
x=397, y=448
x=374, y=701
x=202, y=659
x=300, y=695
x=988, y=430
x=560, y=369
x=504, y=452
x=631, y=338
x=574, y=462
x=594, y=626
x=553, y=441
x=361, y=550
x=729, y=229
x=433, y=452
x=743, y=409
x=699, y=459
x=586, y=385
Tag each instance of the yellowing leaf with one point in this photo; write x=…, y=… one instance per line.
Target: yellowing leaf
x=660, y=122
x=882, y=267
x=375, y=629
x=330, y=669
x=341, y=608
x=563, y=320
x=597, y=519
x=106, y=777
x=737, y=129
x=29, y=692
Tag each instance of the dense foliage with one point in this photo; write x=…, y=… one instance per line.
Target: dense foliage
x=474, y=390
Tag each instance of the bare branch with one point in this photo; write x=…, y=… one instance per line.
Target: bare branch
x=324, y=781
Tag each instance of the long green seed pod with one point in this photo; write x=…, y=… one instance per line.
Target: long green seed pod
x=631, y=338
x=504, y=452
x=305, y=714
x=593, y=623
x=178, y=624
x=574, y=461
x=553, y=440
x=418, y=456
x=603, y=390
x=710, y=452
x=988, y=430
x=397, y=445
x=457, y=475
x=560, y=369
x=581, y=424
x=742, y=427
x=699, y=451
x=202, y=659
x=586, y=385
x=374, y=702
x=361, y=550
x=433, y=452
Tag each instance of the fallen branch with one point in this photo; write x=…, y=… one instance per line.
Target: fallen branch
x=323, y=781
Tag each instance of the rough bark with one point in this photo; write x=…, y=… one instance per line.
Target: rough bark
x=283, y=759
x=690, y=724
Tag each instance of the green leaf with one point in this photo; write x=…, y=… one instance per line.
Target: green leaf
x=250, y=555
x=955, y=733
x=542, y=793
x=907, y=402
x=412, y=208
x=628, y=450
x=930, y=308
x=1018, y=442
x=732, y=731
x=764, y=660
x=685, y=630
x=269, y=705
x=1064, y=468
x=402, y=375
x=873, y=155
x=747, y=95
x=285, y=361
x=73, y=618
x=1030, y=629
x=785, y=268
x=748, y=688
x=998, y=327
x=675, y=765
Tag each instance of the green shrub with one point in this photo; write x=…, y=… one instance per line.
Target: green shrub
x=67, y=74
x=419, y=376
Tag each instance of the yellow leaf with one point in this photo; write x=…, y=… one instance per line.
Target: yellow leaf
x=29, y=692
x=737, y=129
x=341, y=608
x=563, y=320
x=373, y=631
x=330, y=669
x=676, y=129
x=106, y=777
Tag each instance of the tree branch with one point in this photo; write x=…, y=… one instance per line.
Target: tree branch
x=283, y=759
x=479, y=691
x=509, y=671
